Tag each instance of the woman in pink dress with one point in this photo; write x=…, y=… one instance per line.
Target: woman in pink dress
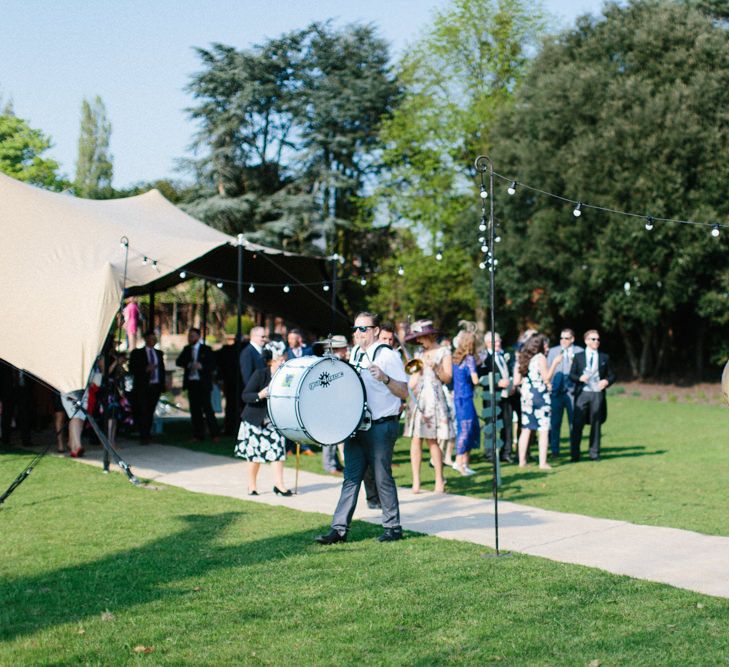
x=132, y=316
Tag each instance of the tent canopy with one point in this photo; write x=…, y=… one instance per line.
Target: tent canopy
x=62, y=271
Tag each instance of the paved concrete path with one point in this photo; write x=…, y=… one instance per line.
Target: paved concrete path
x=667, y=555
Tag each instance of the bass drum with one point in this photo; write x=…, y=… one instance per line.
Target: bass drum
x=317, y=400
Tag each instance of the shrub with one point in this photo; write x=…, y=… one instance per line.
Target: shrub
x=246, y=324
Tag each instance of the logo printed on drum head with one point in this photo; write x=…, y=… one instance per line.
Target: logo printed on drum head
x=287, y=380
x=325, y=379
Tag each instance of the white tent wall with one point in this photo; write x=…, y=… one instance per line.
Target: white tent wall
x=62, y=271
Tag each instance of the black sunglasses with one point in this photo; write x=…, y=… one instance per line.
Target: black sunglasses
x=363, y=327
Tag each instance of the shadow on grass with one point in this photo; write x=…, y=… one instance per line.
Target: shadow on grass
x=147, y=573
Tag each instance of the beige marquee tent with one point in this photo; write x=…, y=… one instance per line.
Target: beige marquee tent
x=62, y=272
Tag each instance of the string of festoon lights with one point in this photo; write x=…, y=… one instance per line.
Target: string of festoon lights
x=158, y=265
x=579, y=206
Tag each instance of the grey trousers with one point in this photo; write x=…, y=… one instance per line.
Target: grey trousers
x=329, y=458
x=369, y=448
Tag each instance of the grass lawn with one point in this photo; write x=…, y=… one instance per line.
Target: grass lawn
x=663, y=464
x=96, y=571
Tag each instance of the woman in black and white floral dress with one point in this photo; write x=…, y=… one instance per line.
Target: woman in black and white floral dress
x=258, y=440
x=533, y=376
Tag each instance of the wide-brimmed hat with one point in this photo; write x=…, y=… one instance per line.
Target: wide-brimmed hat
x=338, y=342
x=422, y=328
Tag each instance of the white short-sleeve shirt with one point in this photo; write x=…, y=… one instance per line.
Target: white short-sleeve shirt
x=381, y=401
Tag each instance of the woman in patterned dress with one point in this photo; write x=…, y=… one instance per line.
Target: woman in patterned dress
x=428, y=416
x=258, y=440
x=533, y=376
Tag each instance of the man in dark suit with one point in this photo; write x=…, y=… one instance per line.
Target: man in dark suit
x=505, y=391
x=296, y=347
x=226, y=359
x=563, y=389
x=250, y=357
x=198, y=361
x=592, y=374
x=147, y=366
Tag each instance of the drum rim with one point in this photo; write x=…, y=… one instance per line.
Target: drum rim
x=297, y=401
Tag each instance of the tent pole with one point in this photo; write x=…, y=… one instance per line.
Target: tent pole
x=152, y=318
x=205, y=311
x=239, y=332
x=335, y=261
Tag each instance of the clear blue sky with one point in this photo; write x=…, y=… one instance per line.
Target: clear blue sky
x=138, y=56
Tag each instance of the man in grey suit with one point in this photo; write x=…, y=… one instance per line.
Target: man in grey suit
x=385, y=382
x=563, y=387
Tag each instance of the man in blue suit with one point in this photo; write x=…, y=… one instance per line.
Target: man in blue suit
x=296, y=347
x=563, y=387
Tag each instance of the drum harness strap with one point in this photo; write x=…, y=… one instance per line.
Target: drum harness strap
x=358, y=354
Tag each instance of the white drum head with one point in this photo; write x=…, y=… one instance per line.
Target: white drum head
x=331, y=400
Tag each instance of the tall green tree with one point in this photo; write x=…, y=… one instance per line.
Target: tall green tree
x=286, y=134
x=627, y=111
x=456, y=80
x=21, y=153
x=94, y=166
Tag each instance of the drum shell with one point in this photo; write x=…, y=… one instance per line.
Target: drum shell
x=316, y=400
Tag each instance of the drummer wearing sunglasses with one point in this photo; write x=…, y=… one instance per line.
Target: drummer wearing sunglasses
x=385, y=382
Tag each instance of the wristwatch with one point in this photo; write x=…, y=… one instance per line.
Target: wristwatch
x=387, y=379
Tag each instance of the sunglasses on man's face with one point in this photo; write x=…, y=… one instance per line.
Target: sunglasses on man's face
x=363, y=327
x=565, y=337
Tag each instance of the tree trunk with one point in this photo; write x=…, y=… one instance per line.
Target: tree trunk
x=645, y=354
x=700, y=339
x=665, y=339
x=629, y=350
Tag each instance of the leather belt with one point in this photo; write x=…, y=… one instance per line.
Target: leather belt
x=382, y=420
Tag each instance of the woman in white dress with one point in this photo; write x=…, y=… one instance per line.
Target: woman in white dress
x=428, y=416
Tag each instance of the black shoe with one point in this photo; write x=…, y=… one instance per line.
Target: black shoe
x=507, y=459
x=373, y=505
x=253, y=493
x=332, y=537
x=286, y=493
x=390, y=535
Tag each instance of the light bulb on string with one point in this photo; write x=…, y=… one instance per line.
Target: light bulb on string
x=183, y=274
x=649, y=223
x=715, y=231
x=145, y=260
x=219, y=284
x=482, y=227
x=155, y=267
x=483, y=194
x=400, y=271
x=482, y=266
x=363, y=282
x=251, y=288
x=286, y=289
x=512, y=188
x=497, y=239
x=482, y=239
x=325, y=287
x=484, y=248
x=438, y=255
x=578, y=210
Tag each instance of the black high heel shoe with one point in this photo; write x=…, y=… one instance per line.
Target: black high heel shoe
x=286, y=493
x=253, y=493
